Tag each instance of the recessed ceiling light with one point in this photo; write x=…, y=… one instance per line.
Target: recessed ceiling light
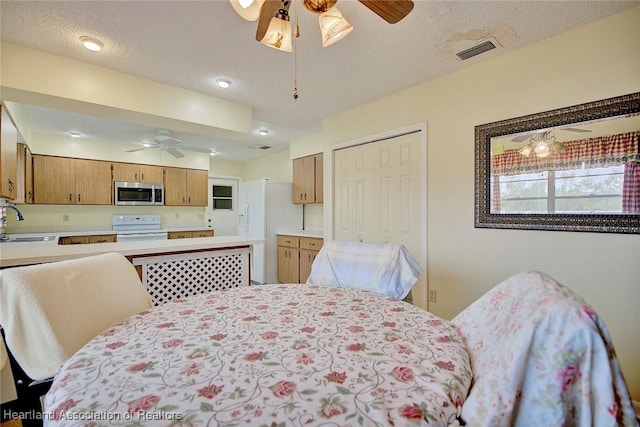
x=75, y=134
x=91, y=43
x=212, y=153
x=223, y=83
x=263, y=132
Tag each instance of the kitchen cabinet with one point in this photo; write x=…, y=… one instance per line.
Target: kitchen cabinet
x=25, y=175
x=69, y=181
x=189, y=234
x=295, y=257
x=133, y=172
x=83, y=240
x=8, y=156
x=185, y=187
x=308, y=179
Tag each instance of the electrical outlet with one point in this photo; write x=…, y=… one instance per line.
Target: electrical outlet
x=65, y=217
x=432, y=295
x=177, y=215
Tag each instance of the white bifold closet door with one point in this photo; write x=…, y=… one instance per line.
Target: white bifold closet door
x=377, y=192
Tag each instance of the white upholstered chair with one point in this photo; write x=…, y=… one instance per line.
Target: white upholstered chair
x=385, y=268
x=541, y=356
x=49, y=311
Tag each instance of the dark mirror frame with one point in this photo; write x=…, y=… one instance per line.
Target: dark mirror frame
x=604, y=223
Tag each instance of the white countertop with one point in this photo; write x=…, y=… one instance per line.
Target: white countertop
x=17, y=253
x=303, y=233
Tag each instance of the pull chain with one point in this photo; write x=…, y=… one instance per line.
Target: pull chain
x=295, y=55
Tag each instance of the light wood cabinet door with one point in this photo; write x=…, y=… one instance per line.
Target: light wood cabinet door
x=298, y=181
x=306, y=260
x=134, y=172
x=319, y=178
x=93, y=182
x=68, y=181
x=24, y=175
x=151, y=174
x=288, y=265
x=127, y=172
x=28, y=176
x=8, y=156
x=197, y=181
x=307, y=179
x=175, y=184
x=54, y=180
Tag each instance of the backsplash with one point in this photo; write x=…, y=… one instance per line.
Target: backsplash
x=60, y=218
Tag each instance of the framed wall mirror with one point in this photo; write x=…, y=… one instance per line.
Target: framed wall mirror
x=571, y=169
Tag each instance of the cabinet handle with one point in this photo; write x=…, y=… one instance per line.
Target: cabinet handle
x=10, y=185
x=78, y=197
x=70, y=197
x=189, y=198
x=135, y=175
x=142, y=177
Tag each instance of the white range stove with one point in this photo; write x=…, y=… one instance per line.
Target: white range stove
x=132, y=227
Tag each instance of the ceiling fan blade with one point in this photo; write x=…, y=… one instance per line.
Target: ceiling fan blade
x=268, y=11
x=137, y=149
x=392, y=11
x=175, y=153
x=576, y=130
x=521, y=138
x=196, y=149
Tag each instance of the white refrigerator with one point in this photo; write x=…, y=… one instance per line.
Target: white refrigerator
x=265, y=209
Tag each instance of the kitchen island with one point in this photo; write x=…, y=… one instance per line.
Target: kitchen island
x=168, y=269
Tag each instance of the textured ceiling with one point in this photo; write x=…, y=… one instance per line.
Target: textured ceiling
x=191, y=43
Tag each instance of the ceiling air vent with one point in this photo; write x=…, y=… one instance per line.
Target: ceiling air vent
x=476, y=50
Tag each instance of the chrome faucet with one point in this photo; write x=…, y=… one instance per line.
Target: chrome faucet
x=3, y=208
x=15, y=209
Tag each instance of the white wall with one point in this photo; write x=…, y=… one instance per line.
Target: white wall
x=597, y=61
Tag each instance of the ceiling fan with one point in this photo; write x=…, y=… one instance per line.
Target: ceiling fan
x=529, y=135
x=163, y=140
x=274, y=28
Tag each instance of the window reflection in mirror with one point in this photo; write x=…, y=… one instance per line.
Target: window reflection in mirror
x=583, y=168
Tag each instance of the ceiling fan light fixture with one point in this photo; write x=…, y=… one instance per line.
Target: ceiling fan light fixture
x=75, y=134
x=247, y=9
x=92, y=44
x=318, y=6
x=333, y=26
x=278, y=35
x=263, y=132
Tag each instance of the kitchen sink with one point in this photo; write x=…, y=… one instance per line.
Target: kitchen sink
x=24, y=239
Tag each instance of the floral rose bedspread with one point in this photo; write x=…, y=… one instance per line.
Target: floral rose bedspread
x=272, y=355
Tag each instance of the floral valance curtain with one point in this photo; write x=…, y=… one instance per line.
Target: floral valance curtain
x=589, y=153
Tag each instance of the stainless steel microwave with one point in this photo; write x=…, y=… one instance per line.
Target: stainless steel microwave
x=138, y=194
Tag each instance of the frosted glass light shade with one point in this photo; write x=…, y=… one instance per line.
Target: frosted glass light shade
x=278, y=35
x=247, y=9
x=333, y=26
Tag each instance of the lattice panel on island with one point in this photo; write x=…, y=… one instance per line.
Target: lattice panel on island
x=169, y=277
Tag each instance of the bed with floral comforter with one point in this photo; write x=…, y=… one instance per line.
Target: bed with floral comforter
x=272, y=355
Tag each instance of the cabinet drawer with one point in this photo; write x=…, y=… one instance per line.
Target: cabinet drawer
x=289, y=241
x=107, y=238
x=180, y=234
x=73, y=240
x=311, y=243
x=203, y=233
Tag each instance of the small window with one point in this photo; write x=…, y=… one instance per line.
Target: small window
x=222, y=197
